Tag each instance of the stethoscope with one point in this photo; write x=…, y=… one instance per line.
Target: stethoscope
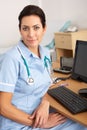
x=30, y=80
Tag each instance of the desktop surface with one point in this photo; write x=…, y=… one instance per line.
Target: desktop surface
x=69, y=99
x=74, y=85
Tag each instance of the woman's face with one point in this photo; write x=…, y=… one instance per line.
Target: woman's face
x=31, y=31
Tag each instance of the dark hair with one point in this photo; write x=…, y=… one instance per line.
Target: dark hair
x=32, y=10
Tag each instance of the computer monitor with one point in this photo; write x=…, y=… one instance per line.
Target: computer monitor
x=79, y=70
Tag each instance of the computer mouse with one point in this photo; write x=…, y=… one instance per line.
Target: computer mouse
x=83, y=92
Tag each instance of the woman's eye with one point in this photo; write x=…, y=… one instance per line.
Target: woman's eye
x=36, y=28
x=25, y=28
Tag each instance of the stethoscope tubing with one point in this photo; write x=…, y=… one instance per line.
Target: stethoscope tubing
x=46, y=59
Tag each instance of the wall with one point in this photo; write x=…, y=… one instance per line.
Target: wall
x=60, y=11
x=57, y=13
x=9, y=11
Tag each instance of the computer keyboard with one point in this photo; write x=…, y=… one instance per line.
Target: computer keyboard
x=72, y=101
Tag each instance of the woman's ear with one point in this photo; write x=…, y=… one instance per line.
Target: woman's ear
x=45, y=28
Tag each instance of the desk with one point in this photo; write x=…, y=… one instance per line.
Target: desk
x=65, y=42
x=75, y=86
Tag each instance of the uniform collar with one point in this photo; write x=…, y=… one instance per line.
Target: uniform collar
x=27, y=53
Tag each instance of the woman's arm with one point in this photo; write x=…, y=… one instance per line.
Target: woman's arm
x=41, y=114
x=10, y=111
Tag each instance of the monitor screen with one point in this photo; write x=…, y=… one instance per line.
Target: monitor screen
x=79, y=70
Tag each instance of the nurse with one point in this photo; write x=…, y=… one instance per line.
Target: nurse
x=25, y=79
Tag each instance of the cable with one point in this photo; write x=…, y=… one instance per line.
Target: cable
x=61, y=78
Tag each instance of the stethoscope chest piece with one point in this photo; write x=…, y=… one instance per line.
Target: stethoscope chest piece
x=30, y=81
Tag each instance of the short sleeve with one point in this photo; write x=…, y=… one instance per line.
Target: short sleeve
x=8, y=73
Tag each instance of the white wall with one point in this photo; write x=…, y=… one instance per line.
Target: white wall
x=60, y=11
x=9, y=11
x=57, y=13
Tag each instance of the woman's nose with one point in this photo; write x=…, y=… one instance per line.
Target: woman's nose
x=31, y=33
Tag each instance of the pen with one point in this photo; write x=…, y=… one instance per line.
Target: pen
x=66, y=84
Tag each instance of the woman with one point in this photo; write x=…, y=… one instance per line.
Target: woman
x=25, y=79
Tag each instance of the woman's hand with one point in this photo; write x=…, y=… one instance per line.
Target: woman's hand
x=41, y=114
x=54, y=120
x=8, y=110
